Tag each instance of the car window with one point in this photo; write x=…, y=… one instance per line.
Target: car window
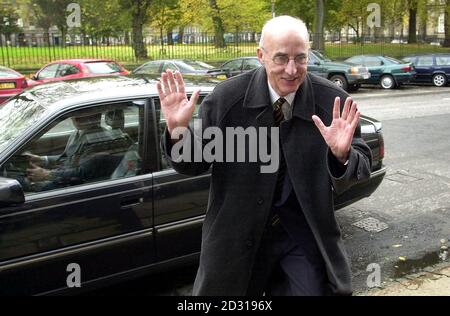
x=233, y=65
x=48, y=72
x=356, y=60
x=149, y=68
x=372, y=61
x=7, y=73
x=250, y=64
x=409, y=59
x=443, y=60
x=103, y=67
x=162, y=124
x=425, y=61
x=96, y=144
x=312, y=59
x=67, y=70
x=170, y=65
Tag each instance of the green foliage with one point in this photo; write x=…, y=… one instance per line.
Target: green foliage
x=8, y=20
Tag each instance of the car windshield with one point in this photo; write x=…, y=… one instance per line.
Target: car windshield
x=103, y=67
x=197, y=65
x=321, y=56
x=393, y=60
x=17, y=115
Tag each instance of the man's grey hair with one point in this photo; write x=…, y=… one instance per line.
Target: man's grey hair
x=282, y=23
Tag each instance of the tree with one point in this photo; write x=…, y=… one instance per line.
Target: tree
x=412, y=25
x=447, y=24
x=8, y=22
x=102, y=19
x=52, y=12
x=219, y=30
x=319, y=39
x=138, y=10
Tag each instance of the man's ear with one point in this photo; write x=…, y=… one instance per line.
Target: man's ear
x=260, y=55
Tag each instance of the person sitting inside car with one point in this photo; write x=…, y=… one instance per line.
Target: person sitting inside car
x=86, y=157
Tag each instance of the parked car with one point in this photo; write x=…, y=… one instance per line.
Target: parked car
x=127, y=215
x=431, y=68
x=348, y=76
x=76, y=68
x=11, y=83
x=235, y=67
x=184, y=66
x=384, y=70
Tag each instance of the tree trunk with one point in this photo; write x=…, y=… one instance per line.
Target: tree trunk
x=170, y=37
x=219, y=31
x=139, y=17
x=319, y=40
x=447, y=24
x=180, y=35
x=140, y=51
x=412, y=36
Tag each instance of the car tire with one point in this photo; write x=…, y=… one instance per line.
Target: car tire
x=440, y=80
x=340, y=81
x=387, y=82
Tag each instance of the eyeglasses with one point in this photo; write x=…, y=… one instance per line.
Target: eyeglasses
x=283, y=59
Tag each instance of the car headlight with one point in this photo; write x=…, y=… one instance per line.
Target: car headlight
x=354, y=70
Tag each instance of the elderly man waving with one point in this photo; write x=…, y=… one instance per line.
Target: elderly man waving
x=273, y=233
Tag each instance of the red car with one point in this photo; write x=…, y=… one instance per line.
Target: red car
x=11, y=83
x=76, y=68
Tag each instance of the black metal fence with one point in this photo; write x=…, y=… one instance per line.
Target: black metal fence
x=32, y=54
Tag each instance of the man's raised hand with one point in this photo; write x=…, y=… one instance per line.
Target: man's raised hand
x=175, y=106
x=339, y=134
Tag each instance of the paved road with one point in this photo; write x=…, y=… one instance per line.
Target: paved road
x=413, y=200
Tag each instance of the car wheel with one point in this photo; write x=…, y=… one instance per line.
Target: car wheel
x=340, y=81
x=439, y=80
x=387, y=82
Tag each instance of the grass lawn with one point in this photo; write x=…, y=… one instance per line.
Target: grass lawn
x=32, y=58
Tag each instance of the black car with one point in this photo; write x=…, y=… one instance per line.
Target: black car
x=122, y=212
x=431, y=68
x=184, y=66
x=235, y=67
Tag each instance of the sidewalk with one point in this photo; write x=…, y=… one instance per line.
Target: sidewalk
x=433, y=281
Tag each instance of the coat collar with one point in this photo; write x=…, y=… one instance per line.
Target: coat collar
x=257, y=95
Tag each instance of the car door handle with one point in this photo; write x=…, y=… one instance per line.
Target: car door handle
x=131, y=201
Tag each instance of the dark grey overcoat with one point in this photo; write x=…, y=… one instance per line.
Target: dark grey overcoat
x=241, y=196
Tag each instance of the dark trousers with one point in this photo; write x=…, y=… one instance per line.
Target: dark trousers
x=285, y=268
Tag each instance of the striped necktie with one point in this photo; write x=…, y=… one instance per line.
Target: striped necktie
x=277, y=111
x=279, y=117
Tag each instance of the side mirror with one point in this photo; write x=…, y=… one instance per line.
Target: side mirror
x=11, y=192
x=34, y=78
x=317, y=63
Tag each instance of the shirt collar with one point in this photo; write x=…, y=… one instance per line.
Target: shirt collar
x=274, y=96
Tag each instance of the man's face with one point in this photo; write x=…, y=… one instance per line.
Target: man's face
x=284, y=78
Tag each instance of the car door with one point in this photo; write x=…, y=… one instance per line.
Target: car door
x=179, y=204
x=443, y=64
x=375, y=66
x=424, y=68
x=94, y=214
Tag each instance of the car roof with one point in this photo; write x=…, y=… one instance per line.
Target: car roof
x=68, y=93
x=81, y=60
